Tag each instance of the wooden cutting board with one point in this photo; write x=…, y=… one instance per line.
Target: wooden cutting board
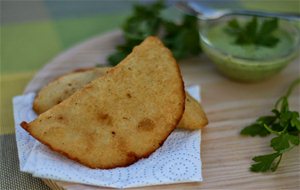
x=229, y=105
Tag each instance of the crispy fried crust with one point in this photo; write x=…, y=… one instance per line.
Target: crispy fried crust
x=58, y=90
x=194, y=116
x=121, y=117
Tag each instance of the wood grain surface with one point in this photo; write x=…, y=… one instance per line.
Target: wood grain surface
x=229, y=105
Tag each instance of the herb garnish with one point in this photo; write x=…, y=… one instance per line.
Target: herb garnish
x=182, y=39
x=254, y=32
x=284, y=124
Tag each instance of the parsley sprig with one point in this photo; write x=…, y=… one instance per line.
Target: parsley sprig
x=284, y=124
x=254, y=32
x=182, y=38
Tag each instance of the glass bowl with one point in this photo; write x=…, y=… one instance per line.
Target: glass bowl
x=248, y=63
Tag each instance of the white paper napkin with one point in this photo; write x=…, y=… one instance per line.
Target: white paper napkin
x=177, y=161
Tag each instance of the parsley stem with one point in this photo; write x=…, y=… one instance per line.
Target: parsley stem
x=292, y=86
x=287, y=149
x=274, y=132
x=289, y=91
x=277, y=164
x=278, y=102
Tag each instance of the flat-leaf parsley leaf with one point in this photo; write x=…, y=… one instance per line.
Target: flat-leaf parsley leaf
x=254, y=32
x=284, y=124
x=182, y=38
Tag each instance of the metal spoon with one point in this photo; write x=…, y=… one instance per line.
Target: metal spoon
x=208, y=13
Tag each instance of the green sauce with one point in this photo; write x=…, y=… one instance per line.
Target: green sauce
x=249, y=63
x=225, y=42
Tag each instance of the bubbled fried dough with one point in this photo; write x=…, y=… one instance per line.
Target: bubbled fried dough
x=63, y=87
x=121, y=117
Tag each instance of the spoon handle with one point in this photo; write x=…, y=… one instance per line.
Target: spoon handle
x=285, y=16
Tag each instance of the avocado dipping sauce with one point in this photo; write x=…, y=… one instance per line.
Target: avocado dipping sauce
x=248, y=62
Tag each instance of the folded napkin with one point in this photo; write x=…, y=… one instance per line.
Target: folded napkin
x=177, y=161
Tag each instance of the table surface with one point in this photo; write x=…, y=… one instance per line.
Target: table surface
x=33, y=32
x=229, y=105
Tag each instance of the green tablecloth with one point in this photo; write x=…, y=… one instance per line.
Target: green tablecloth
x=33, y=32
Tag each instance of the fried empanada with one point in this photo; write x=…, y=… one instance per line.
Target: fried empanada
x=115, y=120
x=63, y=87
x=60, y=89
x=194, y=116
